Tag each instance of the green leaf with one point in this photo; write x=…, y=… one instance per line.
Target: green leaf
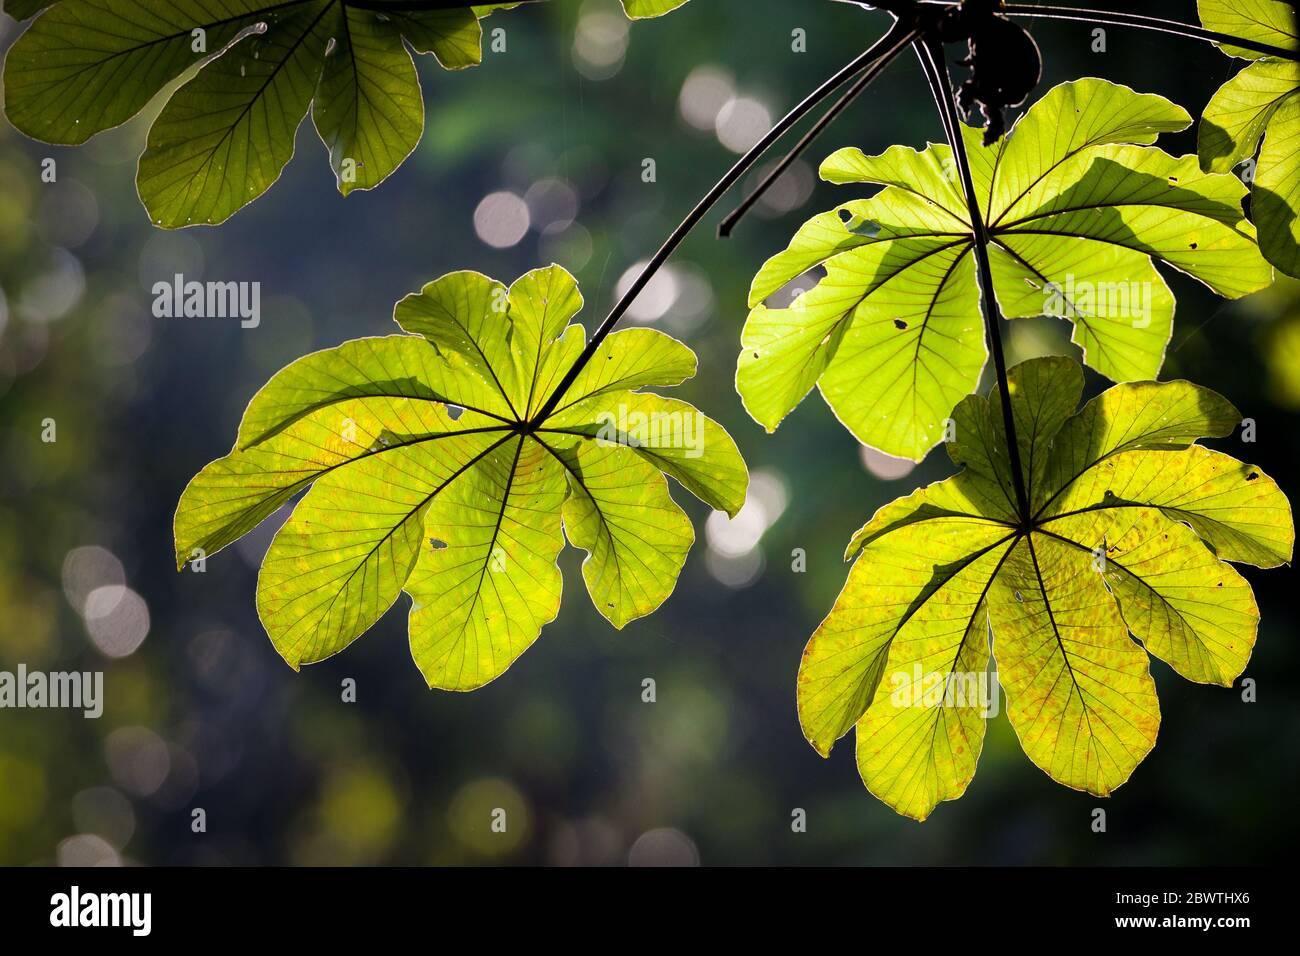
x=368, y=108
x=641, y=9
x=1079, y=207
x=1131, y=528
x=1262, y=21
x=224, y=137
x=487, y=581
x=252, y=70
x=636, y=536
x=669, y=434
x=89, y=65
x=1262, y=102
x=316, y=415
x=428, y=468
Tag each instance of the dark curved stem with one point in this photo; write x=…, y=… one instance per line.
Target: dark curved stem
x=892, y=44
x=693, y=218
x=414, y=6
x=1142, y=22
x=936, y=71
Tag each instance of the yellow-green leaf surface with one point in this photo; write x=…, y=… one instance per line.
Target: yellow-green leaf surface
x=640, y=9
x=1258, y=110
x=1261, y=21
x=368, y=109
x=1079, y=207
x=224, y=136
x=429, y=467
x=1128, y=538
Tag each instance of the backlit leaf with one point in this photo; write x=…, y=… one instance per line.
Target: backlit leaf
x=1260, y=103
x=640, y=9
x=252, y=70
x=368, y=108
x=428, y=467
x=1131, y=528
x=1261, y=21
x=1079, y=207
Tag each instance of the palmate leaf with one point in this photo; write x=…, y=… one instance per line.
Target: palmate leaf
x=225, y=134
x=428, y=467
x=1262, y=102
x=1131, y=529
x=1078, y=206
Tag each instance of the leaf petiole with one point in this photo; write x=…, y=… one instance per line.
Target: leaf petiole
x=891, y=41
x=729, y=221
x=1143, y=22
x=414, y=6
x=930, y=53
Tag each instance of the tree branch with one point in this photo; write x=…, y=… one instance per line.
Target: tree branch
x=1115, y=18
x=900, y=38
x=1141, y=22
x=416, y=6
x=732, y=176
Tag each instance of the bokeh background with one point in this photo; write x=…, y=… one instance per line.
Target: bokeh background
x=536, y=156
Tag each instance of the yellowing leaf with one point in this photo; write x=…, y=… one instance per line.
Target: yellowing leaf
x=487, y=581
x=1079, y=693
x=434, y=466
x=1128, y=534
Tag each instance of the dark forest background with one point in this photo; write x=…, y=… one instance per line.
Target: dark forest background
x=202, y=713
